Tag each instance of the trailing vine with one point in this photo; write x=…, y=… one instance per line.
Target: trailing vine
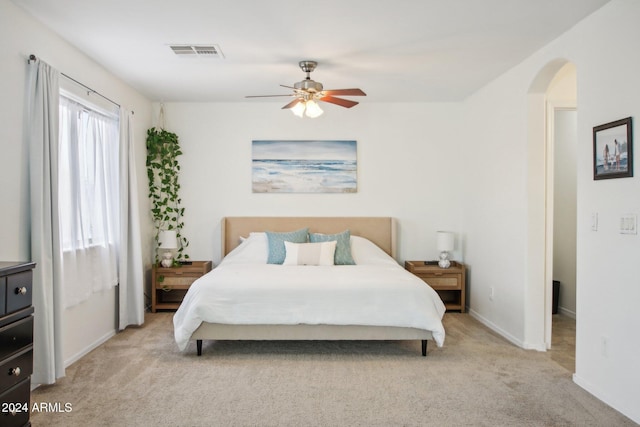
x=163, y=169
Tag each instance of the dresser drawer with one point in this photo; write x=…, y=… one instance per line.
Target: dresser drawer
x=446, y=281
x=16, y=369
x=3, y=295
x=15, y=405
x=16, y=336
x=19, y=287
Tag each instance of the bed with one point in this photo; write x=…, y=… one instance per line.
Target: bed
x=246, y=298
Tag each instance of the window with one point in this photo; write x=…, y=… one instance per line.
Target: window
x=88, y=197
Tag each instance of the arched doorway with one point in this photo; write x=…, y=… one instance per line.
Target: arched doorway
x=553, y=90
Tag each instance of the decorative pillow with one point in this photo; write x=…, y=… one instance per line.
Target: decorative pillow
x=276, y=243
x=343, y=247
x=310, y=253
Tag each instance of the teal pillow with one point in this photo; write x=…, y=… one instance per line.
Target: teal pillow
x=276, y=241
x=343, y=247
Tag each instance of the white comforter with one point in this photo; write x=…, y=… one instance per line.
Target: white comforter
x=379, y=294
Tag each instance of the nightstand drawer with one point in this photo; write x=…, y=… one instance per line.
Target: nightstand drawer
x=176, y=282
x=446, y=281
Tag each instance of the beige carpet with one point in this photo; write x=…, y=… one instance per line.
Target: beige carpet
x=139, y=378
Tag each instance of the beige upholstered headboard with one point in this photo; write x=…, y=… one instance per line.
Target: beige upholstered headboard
x=380, y=230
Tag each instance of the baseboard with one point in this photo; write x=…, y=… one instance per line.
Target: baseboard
x=567, y=312
x=498, y=330
x=79, y=355
x=632, y=413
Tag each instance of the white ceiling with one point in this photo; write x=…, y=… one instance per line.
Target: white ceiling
x=394, y=50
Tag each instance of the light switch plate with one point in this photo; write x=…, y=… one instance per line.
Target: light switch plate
x=594, y=221
x=629, y=224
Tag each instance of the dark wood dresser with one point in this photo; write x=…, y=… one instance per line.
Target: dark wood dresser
x=16, y=342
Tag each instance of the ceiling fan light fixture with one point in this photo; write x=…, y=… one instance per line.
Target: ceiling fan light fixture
x=313, y=110
x=309, y=108
x=298, y=109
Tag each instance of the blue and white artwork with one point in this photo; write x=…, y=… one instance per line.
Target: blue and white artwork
x=304, y=166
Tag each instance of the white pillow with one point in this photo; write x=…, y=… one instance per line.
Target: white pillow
x=309, y=253
x=252, y=250
x=365, y=252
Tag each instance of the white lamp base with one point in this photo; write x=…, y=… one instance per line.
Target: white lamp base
x=167, y=259
x=444, y=260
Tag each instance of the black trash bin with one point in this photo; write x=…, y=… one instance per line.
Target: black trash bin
x=556, y=296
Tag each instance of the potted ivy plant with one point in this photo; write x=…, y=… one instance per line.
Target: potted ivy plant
x=163, y=170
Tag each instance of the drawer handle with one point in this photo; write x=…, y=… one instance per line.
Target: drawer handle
x=15, y=371
x=22, y=290
x=437, y=274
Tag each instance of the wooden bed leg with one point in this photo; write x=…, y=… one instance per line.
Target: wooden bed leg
x=199, y=346
x=424, y=348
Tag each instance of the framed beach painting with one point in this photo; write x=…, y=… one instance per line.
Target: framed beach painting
x=613, y=150
x=304, y=166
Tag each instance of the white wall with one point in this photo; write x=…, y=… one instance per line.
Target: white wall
x=502, y=202
x=494, y=218
x=408, y=167
x=607, y=274
x=21, y=35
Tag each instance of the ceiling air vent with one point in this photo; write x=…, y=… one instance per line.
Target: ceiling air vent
x=193, y=51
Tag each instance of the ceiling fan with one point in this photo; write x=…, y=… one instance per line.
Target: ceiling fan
x=308, y=92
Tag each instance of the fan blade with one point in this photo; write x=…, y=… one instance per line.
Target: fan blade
x=265, y=96
x=346, y=92
x=292, y=104
x=339, y=101
x=288, y=87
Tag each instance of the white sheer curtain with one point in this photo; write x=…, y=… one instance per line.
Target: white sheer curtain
x=89, y=200
x=121, y=237
x=42, y=135
x=130, y=269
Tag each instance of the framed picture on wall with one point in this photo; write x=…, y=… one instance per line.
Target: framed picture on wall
x=613, y=150
x=303, y=166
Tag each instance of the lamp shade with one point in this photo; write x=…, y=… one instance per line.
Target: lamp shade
x=445, y=241
x=168, y=239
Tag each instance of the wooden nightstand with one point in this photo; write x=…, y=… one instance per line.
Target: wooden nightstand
x=449, y=283
x=169, y=285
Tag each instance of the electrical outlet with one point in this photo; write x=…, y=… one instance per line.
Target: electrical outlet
x=594, y=221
